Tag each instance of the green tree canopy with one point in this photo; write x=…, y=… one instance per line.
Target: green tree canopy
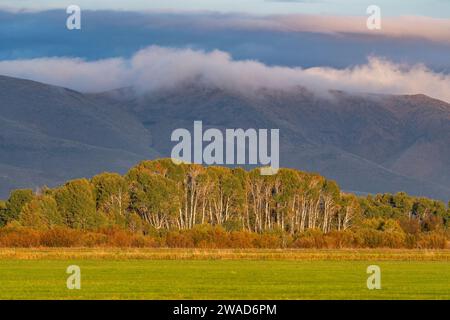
x=13, y=206
x=76, y=203
x=42, y=213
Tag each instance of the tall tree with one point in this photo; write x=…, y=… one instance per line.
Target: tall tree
x=2, y=213
x=17, y=200
x=155, y=198
x=76, y=202
x=112, y=197
x=41, y=212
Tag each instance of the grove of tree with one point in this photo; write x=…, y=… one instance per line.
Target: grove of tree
x=160, y=196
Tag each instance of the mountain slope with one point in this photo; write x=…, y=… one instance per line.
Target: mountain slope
x=368, y=143
x=50, y=134
x=362, y=141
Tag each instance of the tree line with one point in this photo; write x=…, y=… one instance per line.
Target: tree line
x=160, y=195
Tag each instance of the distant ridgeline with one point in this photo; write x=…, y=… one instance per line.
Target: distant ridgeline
x=190, y=205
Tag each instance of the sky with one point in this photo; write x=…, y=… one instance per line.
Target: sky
x=318, y=44
x=432, y=8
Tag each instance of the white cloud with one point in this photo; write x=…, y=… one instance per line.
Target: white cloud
x=71, y=73
x=158, y=67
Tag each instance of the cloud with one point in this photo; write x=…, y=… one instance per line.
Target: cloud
x=262, y=38
x=156, y=67
x=407, y=26
x=433, y=29
x=72, y=73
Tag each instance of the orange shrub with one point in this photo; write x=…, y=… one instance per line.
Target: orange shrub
x=212, y=237
x=394, y=239
x=310, y=239
x=432, y=240
x=242, y=239
x=61, y=237
x=177, y=239
x=92, y=239
x=139, y=241
x=268, y=241
x=16, y=236
x=341, y=239
x=120, y=238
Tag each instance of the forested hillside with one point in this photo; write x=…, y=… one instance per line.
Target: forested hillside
x=159, y=203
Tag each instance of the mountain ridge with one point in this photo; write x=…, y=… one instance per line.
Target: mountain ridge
x=368, y=143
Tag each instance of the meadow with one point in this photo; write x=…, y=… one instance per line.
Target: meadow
x=223, y=274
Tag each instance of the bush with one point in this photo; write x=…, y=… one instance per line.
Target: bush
x=312, y=238
x=268, y=241
x=16, y=236
x=144, y=242
x=432, y=240
x=61, y=237
x=341, y=239
x=242, y=239
x=177, y=239
x=92, y=239
x=211, y=237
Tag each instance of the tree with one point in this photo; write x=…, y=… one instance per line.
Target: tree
x=223, y=194
x=76, y=203
x=2, y=213
x=112, y=198
x=41, y=213
x=17, y=200
x=155, y=198
x=330, y=198
x=447, y=216
x=349, y=211
x=286, y=188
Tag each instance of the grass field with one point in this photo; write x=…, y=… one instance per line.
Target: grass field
x=223, y=274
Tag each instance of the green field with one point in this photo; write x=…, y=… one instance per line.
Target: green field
x=25, y=275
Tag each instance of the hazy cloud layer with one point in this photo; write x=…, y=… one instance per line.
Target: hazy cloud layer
x=433, y=8
x=158, y=67
x=398, y=27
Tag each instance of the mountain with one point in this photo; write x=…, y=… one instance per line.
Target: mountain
x=49, y=134
x=368, y=143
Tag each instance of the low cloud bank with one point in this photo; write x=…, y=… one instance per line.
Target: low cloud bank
x=157, y=67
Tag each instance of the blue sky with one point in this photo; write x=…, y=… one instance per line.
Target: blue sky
x=432, y=8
